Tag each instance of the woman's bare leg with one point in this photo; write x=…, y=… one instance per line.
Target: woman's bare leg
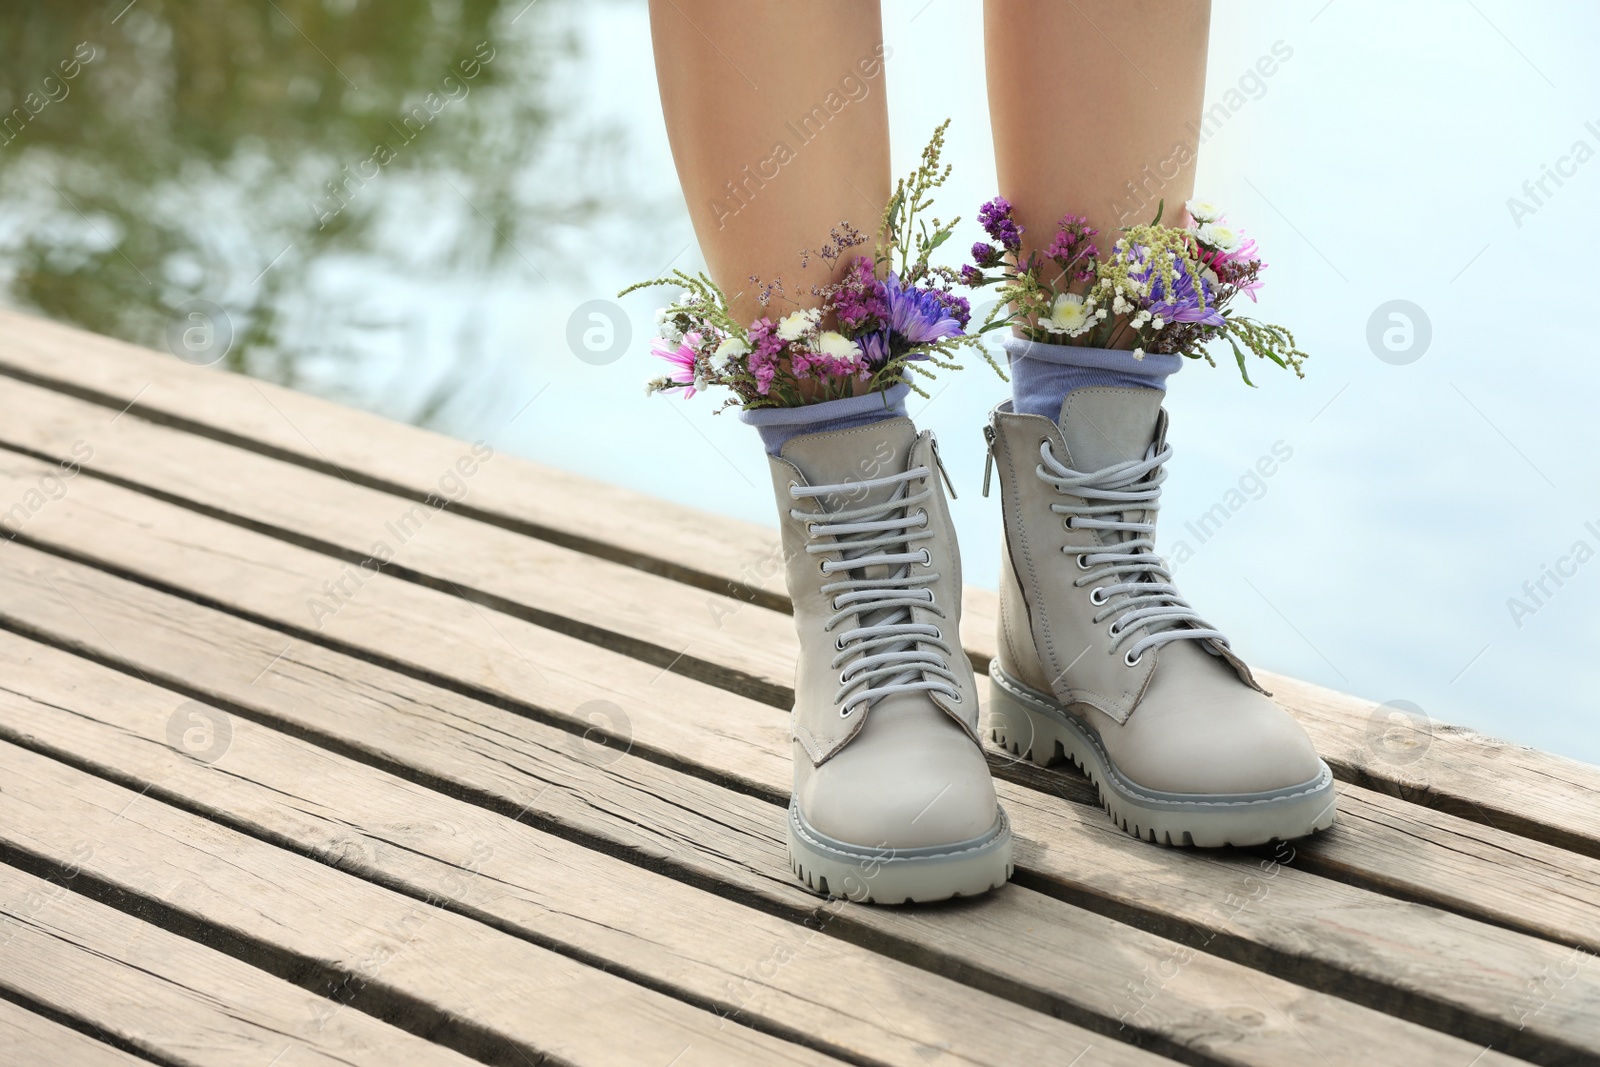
x=1096, y=109
x=780, y=131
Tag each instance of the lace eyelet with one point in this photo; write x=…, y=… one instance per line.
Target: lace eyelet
x=1083, y=561
x=1112, y=630
x=957, y=699
x=811, y=529
x=1095, y=596
x=1130, y=659
x=822, y=565
x=844, y=713
x=793, y=486
x=927, y=560
x=838, y=643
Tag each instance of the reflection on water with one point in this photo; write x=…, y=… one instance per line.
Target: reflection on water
x=285, y=163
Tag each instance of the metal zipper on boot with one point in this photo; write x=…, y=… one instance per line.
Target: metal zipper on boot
x=988, y=454
x=933, y=442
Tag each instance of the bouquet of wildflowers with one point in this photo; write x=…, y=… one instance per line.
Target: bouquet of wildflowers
x=887, y=316
x=1167, y=289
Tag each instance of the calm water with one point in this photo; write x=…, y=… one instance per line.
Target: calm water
x=405, y=207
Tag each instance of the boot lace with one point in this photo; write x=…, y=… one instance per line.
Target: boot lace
x=1151, y=606
x=886, y=652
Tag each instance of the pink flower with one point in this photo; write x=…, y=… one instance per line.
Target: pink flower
x=763, y=361
x=681, y=357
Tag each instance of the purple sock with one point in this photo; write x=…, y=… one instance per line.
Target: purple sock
x=1042, y=375
x=777, y=425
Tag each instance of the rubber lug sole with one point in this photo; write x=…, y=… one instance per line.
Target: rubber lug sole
x=836, y=869
x=1034, y=727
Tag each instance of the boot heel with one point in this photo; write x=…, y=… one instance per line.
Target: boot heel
x=1022, y=731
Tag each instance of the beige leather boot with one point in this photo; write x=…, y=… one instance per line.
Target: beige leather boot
x=1103, y=663
x=892, y=797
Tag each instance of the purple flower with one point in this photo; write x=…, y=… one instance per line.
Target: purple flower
x=971, y=276
x=918, y=315
x=995, y=218
x=875, y=347
x=858, y=303
x=915, y=316
x=985, y=254
x=958, y=306
x=1182, y=303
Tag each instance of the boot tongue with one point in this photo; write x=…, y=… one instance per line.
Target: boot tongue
x=847, y=458
x=850, y=457
x=1103, y=426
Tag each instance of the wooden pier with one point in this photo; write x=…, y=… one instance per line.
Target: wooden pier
x=328, y=740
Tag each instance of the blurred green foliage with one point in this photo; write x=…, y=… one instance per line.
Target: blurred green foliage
x=198, y=138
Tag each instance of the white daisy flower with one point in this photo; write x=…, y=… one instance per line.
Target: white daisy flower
x=1203, y=210
x=1224, y=237
x=793, y=325
x=1068, y=316
x=835, y=344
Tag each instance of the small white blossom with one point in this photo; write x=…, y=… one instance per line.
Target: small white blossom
x=1203, y=210
x=1138, y=353
x=729, y=350
x=668, y=331
x=1156, y=322
x=797, y=323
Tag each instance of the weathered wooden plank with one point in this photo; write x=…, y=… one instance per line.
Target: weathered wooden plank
x=1450, y=768
x=171, y=546
x=645, y=532
x=164, y=995
x=27, y=1037
x=1513, y=788
x=735, y=645
x=457, y=981
x=1468, y=867
x=1023, y=945
x=776, y=975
